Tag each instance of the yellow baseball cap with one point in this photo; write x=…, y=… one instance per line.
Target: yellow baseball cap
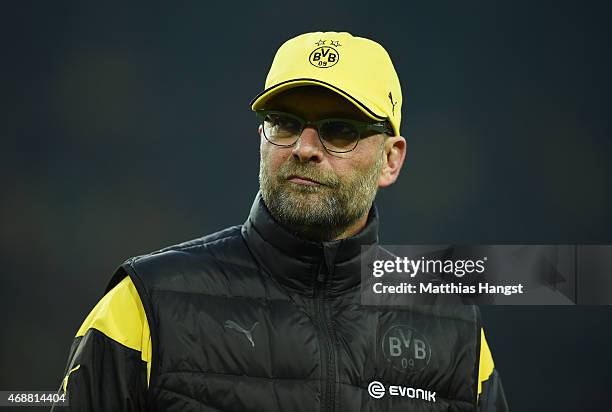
x=357, y=68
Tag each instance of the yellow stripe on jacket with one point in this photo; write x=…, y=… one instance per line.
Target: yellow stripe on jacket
x=486, y=365
x=121, y=317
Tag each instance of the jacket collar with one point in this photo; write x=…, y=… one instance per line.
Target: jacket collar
x=303, y=265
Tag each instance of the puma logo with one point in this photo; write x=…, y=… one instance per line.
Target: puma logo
x=230, y=324
x=393, y=103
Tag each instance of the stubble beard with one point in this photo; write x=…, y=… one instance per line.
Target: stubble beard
x=321, y=212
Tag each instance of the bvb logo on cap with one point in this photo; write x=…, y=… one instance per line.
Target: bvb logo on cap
x=324, y=56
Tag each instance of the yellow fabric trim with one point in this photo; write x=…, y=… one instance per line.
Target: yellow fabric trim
x=65, y=382
x=145, y=355
x=121, y=316
x=486, y=362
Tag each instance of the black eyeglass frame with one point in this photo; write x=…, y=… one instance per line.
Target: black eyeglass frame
x=361, y=127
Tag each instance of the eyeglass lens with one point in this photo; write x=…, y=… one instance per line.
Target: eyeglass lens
x=284, y=130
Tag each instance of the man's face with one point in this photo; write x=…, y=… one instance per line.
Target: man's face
x=313, y=192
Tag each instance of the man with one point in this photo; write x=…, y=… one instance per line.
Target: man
x=267, y=316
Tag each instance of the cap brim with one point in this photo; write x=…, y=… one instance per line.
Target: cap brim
x=361, y=102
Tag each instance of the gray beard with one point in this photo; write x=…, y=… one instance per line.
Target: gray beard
x=318, y=213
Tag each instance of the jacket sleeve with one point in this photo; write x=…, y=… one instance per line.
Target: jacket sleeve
x=109, y=361
x=491, y=397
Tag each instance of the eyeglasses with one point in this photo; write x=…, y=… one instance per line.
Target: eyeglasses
x=336, y=135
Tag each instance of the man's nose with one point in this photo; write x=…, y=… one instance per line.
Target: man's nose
x=308, y=148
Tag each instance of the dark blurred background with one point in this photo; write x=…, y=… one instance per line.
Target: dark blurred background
x=126, y=128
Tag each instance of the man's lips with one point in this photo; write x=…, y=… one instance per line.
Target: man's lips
x=301, y=180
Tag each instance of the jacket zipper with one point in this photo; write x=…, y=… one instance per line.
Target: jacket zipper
x=329, y=356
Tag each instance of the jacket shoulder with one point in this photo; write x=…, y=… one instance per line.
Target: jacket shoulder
x=232, y=232
x=196, y=257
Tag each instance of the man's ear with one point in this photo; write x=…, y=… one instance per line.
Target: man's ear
x=394, y=155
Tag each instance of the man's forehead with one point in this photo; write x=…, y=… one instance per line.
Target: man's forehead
x=315, y=102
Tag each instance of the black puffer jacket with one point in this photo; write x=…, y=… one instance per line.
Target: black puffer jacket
x=253, y=318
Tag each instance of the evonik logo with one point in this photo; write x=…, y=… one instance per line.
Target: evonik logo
x=377, y=390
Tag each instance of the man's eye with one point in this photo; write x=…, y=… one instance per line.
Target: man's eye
x=272, y=120
x=287, y=123
x=282, y=121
